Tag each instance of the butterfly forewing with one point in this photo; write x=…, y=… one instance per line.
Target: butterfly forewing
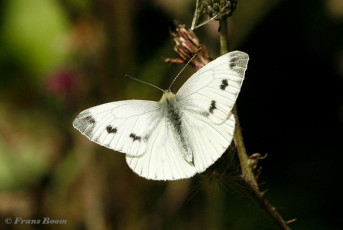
x=213, y=90
x=124, y=126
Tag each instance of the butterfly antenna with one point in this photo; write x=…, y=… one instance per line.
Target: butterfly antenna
x=126, y=75
x=184, y=67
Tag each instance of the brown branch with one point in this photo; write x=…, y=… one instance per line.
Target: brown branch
x=247, y=171
x=271, y=211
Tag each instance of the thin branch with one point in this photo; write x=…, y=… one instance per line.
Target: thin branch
x=196, y=15
x=247, y=171
x=270, y=210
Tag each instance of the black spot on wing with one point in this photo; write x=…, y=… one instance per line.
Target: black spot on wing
x=238, y=65
x=90, y=119
x=232, y=63
x=134, y=137
x=224, y=84
x=85, y=123
x=110, y=129
x=212, y=107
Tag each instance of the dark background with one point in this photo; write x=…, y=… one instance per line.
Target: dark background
x=60, y=57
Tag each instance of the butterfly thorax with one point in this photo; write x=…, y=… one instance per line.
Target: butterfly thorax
x=171, y=110
x=173, y=114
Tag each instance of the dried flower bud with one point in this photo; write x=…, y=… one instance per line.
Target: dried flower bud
x=208, y=10
x=218, y=9
x=186, y=45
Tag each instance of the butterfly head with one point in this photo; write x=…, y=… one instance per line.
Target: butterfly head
x=168, y=95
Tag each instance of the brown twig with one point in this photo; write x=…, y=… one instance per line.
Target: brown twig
x=247, y=171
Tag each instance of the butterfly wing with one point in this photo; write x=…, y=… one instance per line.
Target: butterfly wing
x=142, y=131
x=212, y=91
x=163, y=159
x=124, y=126
x=208, y=140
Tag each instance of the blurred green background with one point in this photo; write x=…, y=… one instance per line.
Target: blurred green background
x=58, y=58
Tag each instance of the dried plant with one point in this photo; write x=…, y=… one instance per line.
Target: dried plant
x=244, y=179
x=212, y=10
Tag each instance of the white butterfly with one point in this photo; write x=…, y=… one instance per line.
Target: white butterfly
x=182, y=134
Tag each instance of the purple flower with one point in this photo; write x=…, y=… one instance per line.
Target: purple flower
x=62, y=82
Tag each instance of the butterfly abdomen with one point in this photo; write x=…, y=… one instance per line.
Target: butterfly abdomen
x=174, y=119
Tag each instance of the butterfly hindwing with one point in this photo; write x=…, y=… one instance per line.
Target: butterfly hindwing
x=163, y=159
x=123, y=126
x=209, y=140
x=212, y=91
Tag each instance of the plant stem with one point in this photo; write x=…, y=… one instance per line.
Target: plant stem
x=247, y=171
x=223, y=36
x=238, y=137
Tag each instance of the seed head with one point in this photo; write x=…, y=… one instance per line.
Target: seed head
x=208, y=10
x=219, y=9
x=186, y=45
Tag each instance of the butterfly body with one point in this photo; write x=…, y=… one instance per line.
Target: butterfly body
x=178, y=136
x=171, y=110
